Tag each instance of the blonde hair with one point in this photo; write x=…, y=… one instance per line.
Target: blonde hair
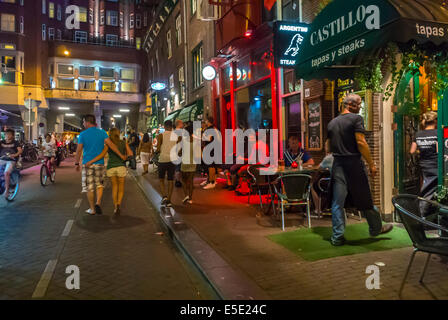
x=429, y=118
x=114, y=135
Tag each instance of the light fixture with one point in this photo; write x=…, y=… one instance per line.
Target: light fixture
x=172, y=92
x=66, y=53
x=125, y=110
x=248, y=33
x=209, y=73
x=69, y=114
x=64, y=108
x=157, y=86
x=117, y=115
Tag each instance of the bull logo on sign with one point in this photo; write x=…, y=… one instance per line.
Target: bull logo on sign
x=294, y=46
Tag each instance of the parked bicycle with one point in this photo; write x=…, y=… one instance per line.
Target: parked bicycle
x=30, y=152
x=47, y=172
x=14, y=181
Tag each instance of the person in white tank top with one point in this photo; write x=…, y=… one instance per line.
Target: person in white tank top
x=166, y=143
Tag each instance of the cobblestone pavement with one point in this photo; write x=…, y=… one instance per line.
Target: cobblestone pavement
x=118, y=258
x=241, y=239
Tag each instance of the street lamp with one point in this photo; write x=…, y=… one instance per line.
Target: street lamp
x=66, y=53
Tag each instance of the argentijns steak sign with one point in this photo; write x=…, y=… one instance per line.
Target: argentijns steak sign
x=345, y=27
x=288, y=42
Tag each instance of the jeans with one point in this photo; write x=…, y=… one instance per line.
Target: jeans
x=340, y=192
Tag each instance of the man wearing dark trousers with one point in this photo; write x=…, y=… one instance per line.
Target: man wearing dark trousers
x=349, y=179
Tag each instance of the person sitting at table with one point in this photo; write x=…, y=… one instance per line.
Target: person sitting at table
x=295, y=151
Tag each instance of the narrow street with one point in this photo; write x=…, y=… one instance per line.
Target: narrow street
x=45, y=230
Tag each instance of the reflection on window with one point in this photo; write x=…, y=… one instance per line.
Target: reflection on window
x=254, y=107
x=65, y=69
x=65, y=83
x=87, y=85
x=108, y=86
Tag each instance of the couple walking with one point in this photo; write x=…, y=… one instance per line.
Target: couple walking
x=94, y=144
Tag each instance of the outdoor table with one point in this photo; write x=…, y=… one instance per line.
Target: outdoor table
x=272, y=173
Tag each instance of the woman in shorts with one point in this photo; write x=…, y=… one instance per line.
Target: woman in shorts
x=116, y=167
x=145, y=151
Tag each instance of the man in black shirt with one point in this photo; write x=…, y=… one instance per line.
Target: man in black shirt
x=10, y=151
x=349, y=179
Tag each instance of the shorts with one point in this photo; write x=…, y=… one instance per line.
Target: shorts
x=167, y=168
x=120, y=172
x=92, y=178
x=144, y=157
x=9, y=165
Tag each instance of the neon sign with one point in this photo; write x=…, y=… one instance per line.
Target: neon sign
x=157, y=86
x=288, y=40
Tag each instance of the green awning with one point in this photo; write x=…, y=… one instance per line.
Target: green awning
x=191, y=112
x=347, y=28
x=172, y=116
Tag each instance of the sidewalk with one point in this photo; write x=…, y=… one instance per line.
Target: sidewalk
x=231, y=227
x=126, y=257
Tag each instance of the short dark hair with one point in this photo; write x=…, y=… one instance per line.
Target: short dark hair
x=168, y=124
x=90, y=118
x=12, y=131
x=211, y=119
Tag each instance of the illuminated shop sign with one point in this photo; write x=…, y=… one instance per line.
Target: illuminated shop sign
x=157, y=86
x=288, y=41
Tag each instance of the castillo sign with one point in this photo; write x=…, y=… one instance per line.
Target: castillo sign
x=288, y=39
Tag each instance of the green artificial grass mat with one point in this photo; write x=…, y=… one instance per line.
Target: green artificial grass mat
x=314, y=244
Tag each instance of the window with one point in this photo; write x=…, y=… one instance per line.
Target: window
x=179, y=30
x=111, y=40
x=194, y=6
x=198, y=61
x=181, y=84
x=51, y=10
x=121, y=19
x=8, y=76
x=108, y=86
x=22, y=25
x=8, y=22
x=127, y=74
x=65, y=83
x=107, y=72
x=59, y=34
x=91, y=15
x=81, y=36
x=168, y=44
x=44, y=32
x=145, y=19
x=128, y=87
x=102, y=17
x=87, y=85
x=86, y=71
x=44, y=7
x=131, y=21
x=65, y=69
x=9, y=62
x=82, y=14
x=112, y=18
x=138, y=43
x=50, y=33
x=59, y=12
x=138, y=21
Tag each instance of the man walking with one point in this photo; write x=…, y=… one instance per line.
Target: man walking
x=91, y=143
x=209, y=138
x=179, y=124
x=348, y=178
x=166, y=142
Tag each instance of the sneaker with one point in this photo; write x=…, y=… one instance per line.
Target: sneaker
x=185, y=199
x=178, y=184
x=337, y=243
x=98, y=209
x=209, y=186
x=90, y=211
x=117, y=211
x=384, y=229
x=164, y=200
x=203, y=183
x=190, y=201
x=168, y=204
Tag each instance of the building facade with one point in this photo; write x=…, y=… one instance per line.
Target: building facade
x=62, y=59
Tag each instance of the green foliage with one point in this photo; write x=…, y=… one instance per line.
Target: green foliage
x=369, y=76
x=442, y=195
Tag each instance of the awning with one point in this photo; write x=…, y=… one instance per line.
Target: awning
x=172, y=116
x=346, y=28
x=191, y=112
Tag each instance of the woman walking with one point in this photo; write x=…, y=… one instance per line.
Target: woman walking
x=427, y=144
x=145, y=152
x=116, y=167
x=188, y=168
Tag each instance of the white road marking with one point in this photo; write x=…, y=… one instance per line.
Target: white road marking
x=78, y=203
x=45, y=279
x=67, y=228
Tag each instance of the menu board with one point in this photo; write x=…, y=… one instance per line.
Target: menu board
x=314, y=132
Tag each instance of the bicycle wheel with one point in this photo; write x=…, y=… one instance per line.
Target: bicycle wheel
x=34, y=156
x=43, y=175
x=14, y=188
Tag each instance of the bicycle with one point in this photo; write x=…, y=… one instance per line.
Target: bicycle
x=14, y=182
x=47, y=170
x=30, y=154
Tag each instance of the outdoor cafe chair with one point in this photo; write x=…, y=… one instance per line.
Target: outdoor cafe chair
x=409, y=207
x=258, y=183
x=294, y=190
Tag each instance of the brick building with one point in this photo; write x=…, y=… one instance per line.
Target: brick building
x=68, y=58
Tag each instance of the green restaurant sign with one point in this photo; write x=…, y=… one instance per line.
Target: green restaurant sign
x=347, y=27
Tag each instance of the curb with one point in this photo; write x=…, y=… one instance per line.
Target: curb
x=229, y=284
